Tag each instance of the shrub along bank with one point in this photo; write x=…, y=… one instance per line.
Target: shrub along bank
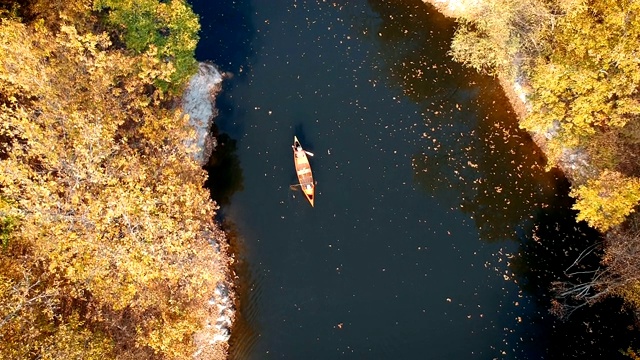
x=105, y=226
x=578, y=66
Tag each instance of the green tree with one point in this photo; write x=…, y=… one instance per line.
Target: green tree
x=168, y=29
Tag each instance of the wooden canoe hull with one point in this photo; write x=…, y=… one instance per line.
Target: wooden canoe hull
x=303, y=170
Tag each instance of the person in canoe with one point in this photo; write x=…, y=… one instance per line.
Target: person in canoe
x=303, y=170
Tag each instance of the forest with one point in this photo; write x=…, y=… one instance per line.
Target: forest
x=579, y=65
x=108, y=247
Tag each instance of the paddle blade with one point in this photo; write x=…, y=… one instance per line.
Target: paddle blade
x=309, y=153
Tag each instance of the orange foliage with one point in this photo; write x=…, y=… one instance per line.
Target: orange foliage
x=110, y=251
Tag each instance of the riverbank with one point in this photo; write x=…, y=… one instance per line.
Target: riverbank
x=417, y=207
x=110, y=248
x=199, y=103
x=573, y=162
x=514, y=89
x=580, y=119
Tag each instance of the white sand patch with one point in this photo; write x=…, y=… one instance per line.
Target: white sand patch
x=198, y=101
x=217, y=329
x=459, y=5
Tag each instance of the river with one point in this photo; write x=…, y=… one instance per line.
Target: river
x=421, y=244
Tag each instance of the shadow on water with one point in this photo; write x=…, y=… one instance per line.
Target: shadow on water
x=224, y=179
x=478, y=160
x=300, y=131
x=600, y=331
x=226, y=34
x=467, y=153
x=474, y=157
x=414, y=41
x=248, y=292
x=226, y=39
x=224, y=170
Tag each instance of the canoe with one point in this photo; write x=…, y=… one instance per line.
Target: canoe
x=303, y=170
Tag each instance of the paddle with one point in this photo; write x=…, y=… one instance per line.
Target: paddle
x=293, y=187
x=308, y=152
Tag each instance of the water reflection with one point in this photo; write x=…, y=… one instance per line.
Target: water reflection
x=226, y=39
x=374, y=90
x=245, y=331
x=493, y=168
x=225, y=172
x=227, y=33
x=474, y=157
x=477, y=160
x=591, y=332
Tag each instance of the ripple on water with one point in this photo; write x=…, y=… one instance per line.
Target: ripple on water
x=245, y=332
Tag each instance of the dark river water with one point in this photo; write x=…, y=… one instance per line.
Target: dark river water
x=436, y=232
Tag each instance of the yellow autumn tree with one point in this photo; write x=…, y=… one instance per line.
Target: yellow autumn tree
x=587, y=82
x=606, y=201
x=106, y=229
x=493, y=33
x=579, y=62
